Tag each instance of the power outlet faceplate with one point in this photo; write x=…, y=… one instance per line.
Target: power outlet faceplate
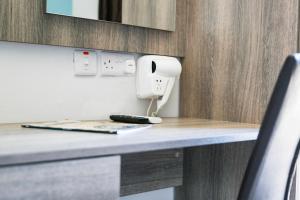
x=116, y=64
x=85, y=63
x=159, y=85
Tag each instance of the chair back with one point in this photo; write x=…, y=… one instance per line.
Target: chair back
x=271, y=166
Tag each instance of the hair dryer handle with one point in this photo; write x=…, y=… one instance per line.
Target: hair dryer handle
x=161, y=102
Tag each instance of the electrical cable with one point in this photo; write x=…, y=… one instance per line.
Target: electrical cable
x=149, y=108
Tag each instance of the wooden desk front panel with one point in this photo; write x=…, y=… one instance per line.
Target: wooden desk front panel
x=214, y=172
x=143, y=172
x=89, y=179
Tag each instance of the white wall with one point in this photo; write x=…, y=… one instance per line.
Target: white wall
x=37, y=83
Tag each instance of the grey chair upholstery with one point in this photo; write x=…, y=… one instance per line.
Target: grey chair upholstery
x=271, y=166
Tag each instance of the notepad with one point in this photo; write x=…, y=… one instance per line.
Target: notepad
x=106, y=127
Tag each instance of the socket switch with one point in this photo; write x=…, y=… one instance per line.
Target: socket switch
x=85, y=63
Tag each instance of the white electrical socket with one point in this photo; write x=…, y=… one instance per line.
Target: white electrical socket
x=159, y=85
x=117, y=64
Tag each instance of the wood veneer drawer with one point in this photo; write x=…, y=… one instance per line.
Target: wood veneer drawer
x=88, y=179
x=142, y=172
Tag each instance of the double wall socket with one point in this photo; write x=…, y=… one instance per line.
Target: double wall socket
x=86, y=63
x=116, y=64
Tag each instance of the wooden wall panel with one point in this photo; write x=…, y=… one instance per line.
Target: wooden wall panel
x=143, y=172
x=4, y=20
x=234, y=51
x=25, y=21
x=157, y=14
x=214, y=172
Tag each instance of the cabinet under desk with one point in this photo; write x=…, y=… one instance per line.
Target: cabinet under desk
x=151, y=159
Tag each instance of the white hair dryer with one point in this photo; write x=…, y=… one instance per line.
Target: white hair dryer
x=156, y=76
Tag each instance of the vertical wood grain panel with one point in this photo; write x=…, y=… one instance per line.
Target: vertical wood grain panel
x=25, y=21
x=143, y=172
x=4, y=20
x=151, y=41
x=25, y=24
x=214, y=172
x=65, y=28
x=234, y=51
x=157, y=14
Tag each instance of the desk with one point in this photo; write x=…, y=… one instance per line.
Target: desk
x=75, y=165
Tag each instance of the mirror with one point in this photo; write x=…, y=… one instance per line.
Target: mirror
x=157, y=14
